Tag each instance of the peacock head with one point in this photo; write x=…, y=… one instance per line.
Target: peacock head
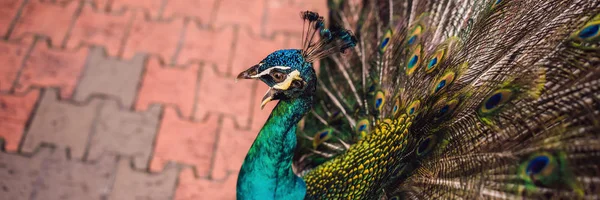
x=287, y=74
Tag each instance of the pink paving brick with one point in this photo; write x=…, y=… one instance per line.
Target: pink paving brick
x=149, y=6
x=251, y=49
x=153, y=37
x=52, y=68
x=259, y=117
x=168, y=85
x=11, y=60
x=218, y=94
x=248, y=13
x=185, y=141
x=199, y=9
x=284, y=16
x=294, y=41
x=191, y=188
x=232, y=147
x=46, y=19
x=14, y=112
x=8, y=12
x=100, y=28
x=208, y=45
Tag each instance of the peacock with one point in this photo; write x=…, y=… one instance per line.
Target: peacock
x=424, y=99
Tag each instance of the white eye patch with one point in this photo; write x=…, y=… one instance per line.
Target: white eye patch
x=267, y=71
x=285, y=84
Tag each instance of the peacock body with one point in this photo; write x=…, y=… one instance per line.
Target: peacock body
x=433, y=100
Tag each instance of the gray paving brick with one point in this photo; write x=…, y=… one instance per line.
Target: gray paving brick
x=64, y=179
x=133, y=184
x=49, y=175
x=60, y=123
x=110, y=76
x=19, y=174
x=125, y=132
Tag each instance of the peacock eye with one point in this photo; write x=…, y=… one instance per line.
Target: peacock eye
x=297, y=84
x=278, y=76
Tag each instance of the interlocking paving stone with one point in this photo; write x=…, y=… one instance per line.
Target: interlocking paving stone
x=154, y=37
x=124, y=133
x=151, y=7
x=195, y=49
x=51, y=20
x=259, y=117
x=199, y=9
x=192, y=188
x=8, y=12
x=96, y=27
x=242, y=12
x=63, y=124
x=187, y=142
x=100, y=4
x=15, y=110
x=49, y=67
x=294, y=42
x=233, y=144
x=11, y=59
x=133, y=184
x=47, y=174
x=18, y=175
x=212, y=99
x=65, y=179
x=283, y=16
x=168, y=85
x=208, y=45
x=110, y=76
x=251, y=49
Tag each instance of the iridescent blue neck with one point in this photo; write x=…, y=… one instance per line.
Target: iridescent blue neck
x=267, y=170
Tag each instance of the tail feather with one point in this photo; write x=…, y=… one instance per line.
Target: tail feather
x=496, y=99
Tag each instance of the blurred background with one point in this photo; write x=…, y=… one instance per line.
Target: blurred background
x=133, y=99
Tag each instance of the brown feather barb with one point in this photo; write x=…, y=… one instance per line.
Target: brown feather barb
x=495, y=99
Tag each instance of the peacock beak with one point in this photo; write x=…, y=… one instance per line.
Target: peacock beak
x=250, y=73
x=272, y=94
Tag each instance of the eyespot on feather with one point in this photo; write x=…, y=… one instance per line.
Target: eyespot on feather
x=496, y=3
x=435, y=60
x=396, y=108
x=590, y=32
x=362, y=127
x=379, y=100
x=444, y=82
x=495, y=101
x=540, y=168
x=322, y=136
x=385, y=41
x=414, y=35
x=413, y=108
x=414, y=60
x=446, y=108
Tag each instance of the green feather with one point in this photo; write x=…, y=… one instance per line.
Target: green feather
x=493, y=99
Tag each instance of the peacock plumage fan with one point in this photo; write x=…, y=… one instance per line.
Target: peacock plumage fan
x=433, y=100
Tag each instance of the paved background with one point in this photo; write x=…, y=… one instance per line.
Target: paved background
x=133, y=99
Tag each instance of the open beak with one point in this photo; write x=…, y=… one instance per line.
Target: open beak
x=269, y=96
x=249, y=73
x=252, y=73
